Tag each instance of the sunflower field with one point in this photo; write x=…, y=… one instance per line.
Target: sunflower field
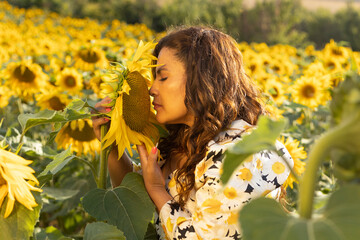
x=52, y=179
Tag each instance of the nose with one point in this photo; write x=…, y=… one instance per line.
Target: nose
x=153, y=90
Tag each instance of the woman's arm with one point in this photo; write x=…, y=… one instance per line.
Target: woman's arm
x=118, y=168
x=153, y=177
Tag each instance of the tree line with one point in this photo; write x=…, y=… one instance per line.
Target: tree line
x=270, y=21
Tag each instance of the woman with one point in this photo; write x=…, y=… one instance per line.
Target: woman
x=205, y=99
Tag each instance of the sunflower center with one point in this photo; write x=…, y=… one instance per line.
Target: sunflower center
x=274, y=92
x=70, y=81
x=84, y=135
x=56, y=104
x=24, y=74
x=253, y=67
x=330, y=65
x=276, y=68
x=308, y=91
x=136, y=105
x=336, y=51
x=89, y=56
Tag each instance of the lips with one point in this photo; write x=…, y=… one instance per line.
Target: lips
x=156, y=105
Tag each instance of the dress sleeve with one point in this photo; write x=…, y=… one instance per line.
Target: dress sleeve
x=214, y=214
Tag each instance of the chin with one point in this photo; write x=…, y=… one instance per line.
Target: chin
x=160, y=120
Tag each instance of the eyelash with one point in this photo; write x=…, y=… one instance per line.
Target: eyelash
x=163, y=79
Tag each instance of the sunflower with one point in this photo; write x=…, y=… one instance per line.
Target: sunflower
x=95, y=83
x=132, y=117
x=274, y=112
x=16, y=180
x=5, y=94
x=80, y=135
x=276, y=90
x=25, y=78
x=53, y=100
x=308, y=91
x=70, y=80
x=297, y=153
x=89, y=58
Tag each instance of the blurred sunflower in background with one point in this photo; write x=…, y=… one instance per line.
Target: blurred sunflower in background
x=5, y=94
x=25, y=79
x=276, y=90
x=132, y=118
x=88, y=59
x=308, y=91
x=95, y=83
x=80, y=135
x=16, y=181
x=70, y=80
x=298, y=154
x=53, y=100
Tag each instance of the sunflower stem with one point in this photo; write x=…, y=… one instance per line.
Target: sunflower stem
x=309, y=181
x=103, y=160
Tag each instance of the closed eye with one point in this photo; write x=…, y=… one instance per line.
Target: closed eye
x=163, y=79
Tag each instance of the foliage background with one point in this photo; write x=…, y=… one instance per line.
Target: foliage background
x=270, y=21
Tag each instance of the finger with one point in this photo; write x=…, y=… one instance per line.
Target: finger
x=100, y=121
x=104, y=102
x=153, y=154
x=142, y=153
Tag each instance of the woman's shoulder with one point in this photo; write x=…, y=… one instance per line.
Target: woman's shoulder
x=230, y=136
x=213, y=160
x=210, y=165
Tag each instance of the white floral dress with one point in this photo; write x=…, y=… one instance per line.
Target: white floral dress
x=211, y=211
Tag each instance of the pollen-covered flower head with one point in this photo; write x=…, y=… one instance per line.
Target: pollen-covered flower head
x=132, y=117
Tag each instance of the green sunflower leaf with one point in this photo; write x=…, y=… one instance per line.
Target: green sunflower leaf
x=120, y=206
x=102, y=231
x=20, y=223
x=261, y=138
x=29, y=120
x=264, y=218
x=60, y=160
x=93, y=203
x=77, y=109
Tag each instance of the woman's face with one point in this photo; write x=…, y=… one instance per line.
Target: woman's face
x=168, y=90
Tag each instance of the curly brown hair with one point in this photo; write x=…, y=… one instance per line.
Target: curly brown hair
x=217, y=92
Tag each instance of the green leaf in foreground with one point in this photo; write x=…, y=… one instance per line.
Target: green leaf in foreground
x=264, y=218
x=59, y=194
x=60, y=160
x=20, y=223
x=102, y=231
x=261, y=138
x=120, y=206
x=77, y=109
x=93, y=203
x=30, y=120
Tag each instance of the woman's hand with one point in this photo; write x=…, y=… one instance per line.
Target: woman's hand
x=98, y=121
x=153, y=177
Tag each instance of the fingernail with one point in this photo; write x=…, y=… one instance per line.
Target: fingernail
x=107, y=109
x=153, y=150
x=106, y=119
